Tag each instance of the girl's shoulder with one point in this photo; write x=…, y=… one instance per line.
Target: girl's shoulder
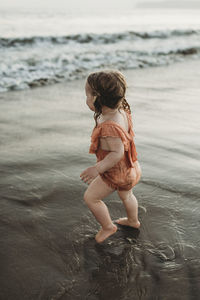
x=126, y=116
x=112, y=128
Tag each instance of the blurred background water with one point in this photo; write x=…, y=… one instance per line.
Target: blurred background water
x=44, y=43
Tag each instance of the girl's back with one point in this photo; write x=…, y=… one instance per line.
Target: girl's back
x=120, y=118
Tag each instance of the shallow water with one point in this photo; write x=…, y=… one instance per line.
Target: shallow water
x=47, y=234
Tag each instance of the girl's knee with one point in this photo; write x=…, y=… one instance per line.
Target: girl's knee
x=89, y=198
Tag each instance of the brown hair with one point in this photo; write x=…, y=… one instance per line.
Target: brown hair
x=109, y=87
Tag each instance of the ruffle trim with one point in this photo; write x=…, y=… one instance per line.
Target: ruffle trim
x=114, y=130
x=107, y=130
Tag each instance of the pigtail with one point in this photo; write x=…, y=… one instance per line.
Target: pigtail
x=98, y=108
x=125, y=105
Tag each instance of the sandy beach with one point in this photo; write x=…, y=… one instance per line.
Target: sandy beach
x=47, y=233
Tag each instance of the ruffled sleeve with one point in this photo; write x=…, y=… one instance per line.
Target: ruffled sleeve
x=107, y=130
x=114, y=131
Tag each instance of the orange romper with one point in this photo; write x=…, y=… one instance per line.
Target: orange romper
x=119, y=177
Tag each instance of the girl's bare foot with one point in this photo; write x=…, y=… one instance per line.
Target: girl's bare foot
x=126, y=222
x=105, y=233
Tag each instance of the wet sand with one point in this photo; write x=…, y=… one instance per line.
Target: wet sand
x=47, y=233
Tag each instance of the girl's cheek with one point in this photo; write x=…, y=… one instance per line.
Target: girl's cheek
x=88, y=102
x=91, y=106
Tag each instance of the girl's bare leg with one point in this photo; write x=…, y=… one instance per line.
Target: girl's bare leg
x=130, y=201
x=131, y=206
x=96, y=191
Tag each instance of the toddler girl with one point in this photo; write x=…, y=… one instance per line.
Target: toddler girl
x=112, y=141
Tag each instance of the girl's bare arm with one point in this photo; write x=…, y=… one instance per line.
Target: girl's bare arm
x=116, y=148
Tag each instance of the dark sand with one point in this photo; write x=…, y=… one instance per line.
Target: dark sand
x=47, y=233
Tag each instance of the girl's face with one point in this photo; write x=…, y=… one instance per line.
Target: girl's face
x=90, y=97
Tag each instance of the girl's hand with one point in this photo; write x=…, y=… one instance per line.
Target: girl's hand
x=89, y=174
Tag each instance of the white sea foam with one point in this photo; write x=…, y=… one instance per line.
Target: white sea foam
x=34, y=50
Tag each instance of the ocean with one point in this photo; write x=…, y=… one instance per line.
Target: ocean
x=47, y=46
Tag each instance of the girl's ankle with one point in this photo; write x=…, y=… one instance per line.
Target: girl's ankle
x=132, y=221
x=111, y=226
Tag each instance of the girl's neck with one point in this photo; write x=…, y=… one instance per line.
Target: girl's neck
x=108, y=111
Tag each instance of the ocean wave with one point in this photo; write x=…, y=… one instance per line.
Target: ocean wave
x=25, y=77
x=95, y=38
x=183, y=51
x=47, y=63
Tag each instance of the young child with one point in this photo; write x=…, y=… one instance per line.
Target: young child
x=112, y=141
